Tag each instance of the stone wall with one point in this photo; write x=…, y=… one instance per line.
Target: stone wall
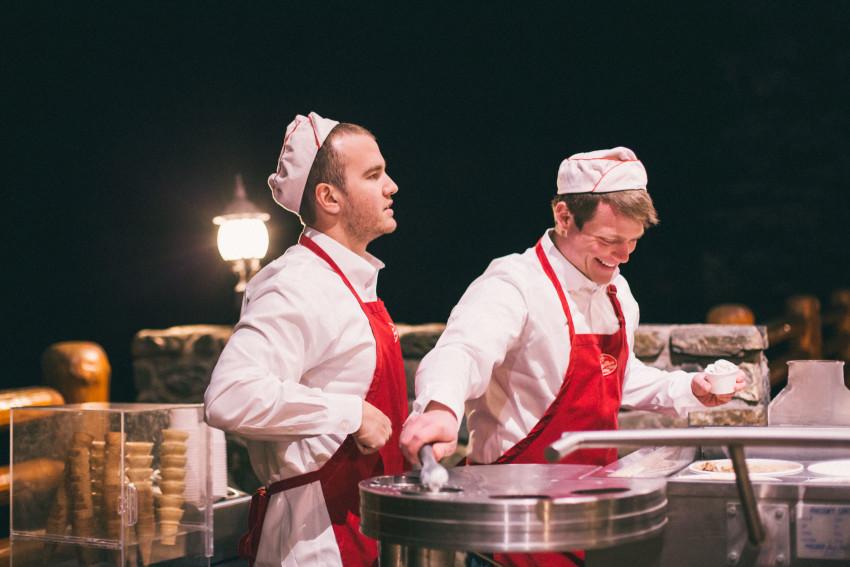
x=174, y=365
x=692, y=348
x=669, y=347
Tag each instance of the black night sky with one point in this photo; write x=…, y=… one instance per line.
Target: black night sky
x=125, y=123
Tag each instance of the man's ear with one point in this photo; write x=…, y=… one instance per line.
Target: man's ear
x=562, y=215
x=327, y=198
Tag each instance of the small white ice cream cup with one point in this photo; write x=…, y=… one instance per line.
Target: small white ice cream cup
x=722, y=375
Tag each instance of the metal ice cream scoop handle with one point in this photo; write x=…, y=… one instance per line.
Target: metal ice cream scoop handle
x=433, y=474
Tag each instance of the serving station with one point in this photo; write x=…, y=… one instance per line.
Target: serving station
x=697, y=496
x=657, y=506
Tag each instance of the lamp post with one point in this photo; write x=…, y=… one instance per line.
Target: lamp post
x=243, y=238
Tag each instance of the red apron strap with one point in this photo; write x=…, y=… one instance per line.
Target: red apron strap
x=316, y=249
x=550, y=273
x=250, y=541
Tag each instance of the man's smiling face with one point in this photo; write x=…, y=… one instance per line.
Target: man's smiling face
x=602, y=244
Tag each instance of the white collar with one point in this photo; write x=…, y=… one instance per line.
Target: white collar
x=570, y=277
x=359, y=270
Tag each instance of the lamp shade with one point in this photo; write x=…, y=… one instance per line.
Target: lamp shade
x=243, y=239
x=242, y=232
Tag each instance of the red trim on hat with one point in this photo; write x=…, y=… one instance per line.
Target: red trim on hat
x=315, y=134
x=286, y=140
x=609, y=171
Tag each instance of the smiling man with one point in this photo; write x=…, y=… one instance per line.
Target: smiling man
x=541, y=343
x=313, y=376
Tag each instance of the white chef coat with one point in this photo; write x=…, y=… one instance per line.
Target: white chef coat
x=506, y=347
x=291, y=380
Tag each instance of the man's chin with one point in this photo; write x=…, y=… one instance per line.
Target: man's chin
x=389, y=228
x=603, y=279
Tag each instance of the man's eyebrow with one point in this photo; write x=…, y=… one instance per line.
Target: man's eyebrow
x=374, y=169
x=614, y=237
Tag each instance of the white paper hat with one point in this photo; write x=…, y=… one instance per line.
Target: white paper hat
x=304, y=136
x=602, y=171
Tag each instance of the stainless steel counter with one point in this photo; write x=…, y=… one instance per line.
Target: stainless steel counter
x=797, y=517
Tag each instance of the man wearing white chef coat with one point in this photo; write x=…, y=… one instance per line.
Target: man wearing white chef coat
x=313, y=376
x=541, y=343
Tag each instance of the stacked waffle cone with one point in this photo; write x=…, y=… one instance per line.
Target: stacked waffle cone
x=138, y=460
x=75, y=501
x=112, y=483
x=98, y=462
x=57, y=518
x=79, y=488
x=173, y=471
x=79, y=482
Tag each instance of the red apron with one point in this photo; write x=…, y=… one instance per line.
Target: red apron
x=348, y=466
x=589, y=399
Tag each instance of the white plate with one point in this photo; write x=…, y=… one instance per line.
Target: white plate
x=828, y=480
x=832, y=468
x=703, y=476
x=641, y=469
x=757, y=467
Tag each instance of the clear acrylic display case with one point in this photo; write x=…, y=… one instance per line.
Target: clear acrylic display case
x=111, y=485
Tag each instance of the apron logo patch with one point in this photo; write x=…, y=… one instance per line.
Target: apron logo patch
x=608, y=364
x=395, y=332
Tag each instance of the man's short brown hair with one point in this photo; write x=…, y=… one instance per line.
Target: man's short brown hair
x=328, y=167
x=636, y=205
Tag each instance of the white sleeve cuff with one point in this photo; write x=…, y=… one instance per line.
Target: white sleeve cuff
x=346, y=411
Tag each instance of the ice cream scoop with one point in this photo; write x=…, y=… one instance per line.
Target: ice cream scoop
x=721, y=367
x=433, y=474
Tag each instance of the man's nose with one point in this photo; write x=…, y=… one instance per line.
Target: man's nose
x=391, y=188
x=622, y=251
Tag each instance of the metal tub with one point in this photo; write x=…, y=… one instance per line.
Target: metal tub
x=508, y=508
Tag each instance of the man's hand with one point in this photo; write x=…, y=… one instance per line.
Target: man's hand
x=375, y=430
x=438, y=425
x=701, y=388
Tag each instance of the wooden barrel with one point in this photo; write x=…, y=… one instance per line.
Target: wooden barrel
x=22, y=397
x=37, y=475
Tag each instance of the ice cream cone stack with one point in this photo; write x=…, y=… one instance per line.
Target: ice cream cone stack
x=113, y=483
x=57, y=518
x=98, y=460
x=113, y=479
x=173, y=461
x=79, y=479
x=80, y=491
x=138, y=459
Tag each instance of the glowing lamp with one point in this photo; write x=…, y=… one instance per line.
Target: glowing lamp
x=243, y=238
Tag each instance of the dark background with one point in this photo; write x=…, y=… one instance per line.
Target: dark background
x=125, y=123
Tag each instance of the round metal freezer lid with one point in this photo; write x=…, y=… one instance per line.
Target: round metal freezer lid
x=514, y=507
